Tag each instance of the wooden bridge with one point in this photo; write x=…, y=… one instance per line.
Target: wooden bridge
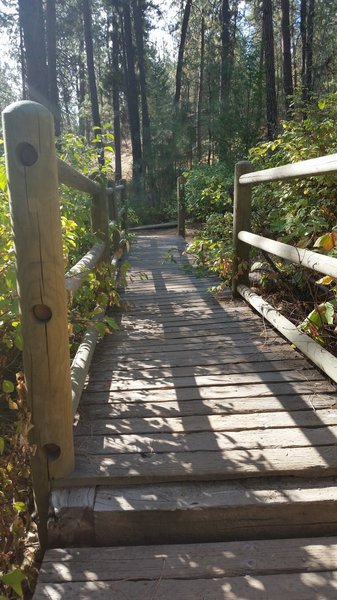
x=205, y=457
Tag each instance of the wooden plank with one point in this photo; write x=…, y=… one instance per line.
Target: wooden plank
x=205, y=441
x=118, y=410
x=185, y=562
x=257, y=363
x=222, y=379
x=122, y=339
x=210, y=423
x=213, y=392
x=196, y=512
x=103, y=371
x=305, y=586
x=197, y=466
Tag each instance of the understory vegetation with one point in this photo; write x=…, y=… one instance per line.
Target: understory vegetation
x=301, y=212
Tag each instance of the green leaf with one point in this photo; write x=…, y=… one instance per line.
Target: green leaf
x=7, y=386
x=112, y=323
x=20, y=507
x=322, y=104
x=14, y=580
x=2, y=445
x=101, y=328
x=18, y=341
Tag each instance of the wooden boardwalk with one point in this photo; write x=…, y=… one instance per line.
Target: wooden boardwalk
x=198, y=424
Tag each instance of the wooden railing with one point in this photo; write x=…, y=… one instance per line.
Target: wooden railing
x=53, y=385
x=244, y=179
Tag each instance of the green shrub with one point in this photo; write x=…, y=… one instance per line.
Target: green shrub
x=208, y=189
x=299, y=210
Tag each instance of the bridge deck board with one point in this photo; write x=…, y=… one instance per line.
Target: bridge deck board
x=194, y=388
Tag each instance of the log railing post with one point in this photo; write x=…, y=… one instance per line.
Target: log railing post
x=241, y=221
x=100, y=220
x=181, y=205
x=34, y=204
x=112, y=202
x=124, y=204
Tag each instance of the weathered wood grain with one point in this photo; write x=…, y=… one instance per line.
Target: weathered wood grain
x=121, y=409
x=210, y=423
x=307, y=586
x=197, y=466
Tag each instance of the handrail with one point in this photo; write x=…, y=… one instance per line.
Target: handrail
x=306, y=168
x=244, y=178
x=76, y=276
x=74, y=179
x=300, y=256
x=34, y=173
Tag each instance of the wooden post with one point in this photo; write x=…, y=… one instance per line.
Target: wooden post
x=34, y=204
x=124, y=204
x=181, y=205
x=100, y=220
x=241, y=221
x=112, y=201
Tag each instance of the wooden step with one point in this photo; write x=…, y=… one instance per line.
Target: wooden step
x=193, y=512
x=295, y=569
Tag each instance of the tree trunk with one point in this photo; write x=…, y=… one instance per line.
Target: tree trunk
x=268, y=40
x=146, y=129
x=81, y=90
x=225, y=51
x=115, y=97
x=92, y=77
x=132, y=96
x=201, y=88
x=180, y=60
x=52, y=69
x=303, y=30
x=309, y=48
x=286, y=55
x=307, y=34
x=32, y=25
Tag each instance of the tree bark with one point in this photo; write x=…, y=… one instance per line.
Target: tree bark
x=115, y=97
x=146, y=128
x=81, y=90
x=52, y=69
x=303, y=31
x=32, y=25
x=201, y=88
x=225, y=54
x=132, y=95
x=286, y=54
x=268, y=40
x=180, y=60
x=96, y=119
x=307, y=35
x=309, y=48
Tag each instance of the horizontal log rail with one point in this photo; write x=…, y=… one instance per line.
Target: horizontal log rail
x=323, y=165
x=53, y=385
x=76, y=276
x=299, y=256
x=244, y=179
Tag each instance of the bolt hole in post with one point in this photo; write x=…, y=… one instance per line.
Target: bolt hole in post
x=27, y=154
x=52, y=451
x=42, y=312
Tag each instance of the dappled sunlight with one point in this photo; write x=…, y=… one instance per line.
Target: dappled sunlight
x=199, y=422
